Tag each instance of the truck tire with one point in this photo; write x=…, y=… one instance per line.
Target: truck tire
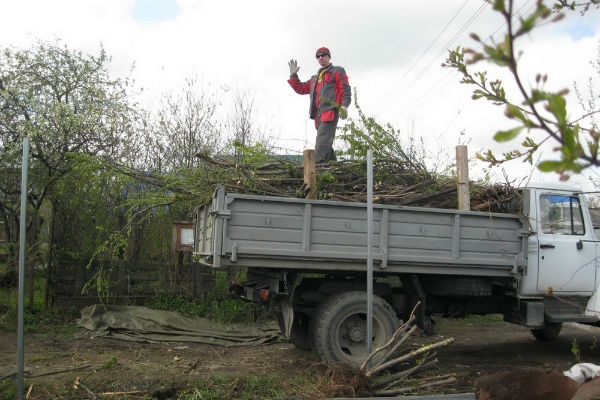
x=549, y=332
x=299, y=331
x=339, y=326
x=457, y=286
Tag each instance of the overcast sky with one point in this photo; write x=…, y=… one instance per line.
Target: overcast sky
x=391, y=50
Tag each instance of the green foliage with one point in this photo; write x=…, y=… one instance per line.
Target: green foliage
x=8, y=389
x=471, y=321
x=110, y=363
x=575, y=351
x=255, y=154
x=36, y=317
x=540, y=109
x=324, y=178
x=215, y=307
x=366, y=133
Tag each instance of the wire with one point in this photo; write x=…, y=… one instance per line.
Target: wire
x=442, y=82
x=423, y=71
x=392, y=88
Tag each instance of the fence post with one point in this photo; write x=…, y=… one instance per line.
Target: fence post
x=462, y=177
x=310, y=173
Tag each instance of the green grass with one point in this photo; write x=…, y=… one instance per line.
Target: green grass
x=469, y=321
x=219, y=305
x=36, y=317
x=220, y=308
x=254, y=387
x=8, y=389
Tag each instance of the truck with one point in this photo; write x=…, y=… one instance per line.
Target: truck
x=538, y=266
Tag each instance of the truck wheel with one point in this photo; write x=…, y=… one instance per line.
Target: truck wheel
x=549, y=332
x=299, y=331
x=339, y=327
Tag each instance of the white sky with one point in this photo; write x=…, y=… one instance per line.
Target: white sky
x=391, y=50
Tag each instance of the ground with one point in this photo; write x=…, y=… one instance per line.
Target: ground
x=481, y=346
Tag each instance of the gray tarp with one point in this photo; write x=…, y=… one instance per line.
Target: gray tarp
x=143, y=324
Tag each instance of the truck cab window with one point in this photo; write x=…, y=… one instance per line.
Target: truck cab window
x=561, y=215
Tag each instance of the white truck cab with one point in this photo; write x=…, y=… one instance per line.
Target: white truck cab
x=563, y=249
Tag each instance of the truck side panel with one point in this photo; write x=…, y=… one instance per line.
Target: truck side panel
x=286, y=233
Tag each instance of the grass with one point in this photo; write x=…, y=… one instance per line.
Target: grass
x=218, y=305
x=8, y=389
x=37, y=319
x=470, y=321
x=224, y=309
x=254, y=387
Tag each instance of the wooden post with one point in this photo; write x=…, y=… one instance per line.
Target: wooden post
x=462, y=178
x=310, y=174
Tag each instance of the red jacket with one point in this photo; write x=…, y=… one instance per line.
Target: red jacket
x=330, y=93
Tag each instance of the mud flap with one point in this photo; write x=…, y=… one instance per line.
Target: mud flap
x=416, y=295
x=287, y=312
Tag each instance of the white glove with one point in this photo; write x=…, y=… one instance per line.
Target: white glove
x=294, y=68
x=343, y=112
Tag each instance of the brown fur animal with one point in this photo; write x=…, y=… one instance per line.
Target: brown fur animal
x=590, y=390
x=526, y=384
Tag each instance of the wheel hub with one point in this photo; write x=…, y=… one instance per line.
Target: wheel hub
x=356, y=334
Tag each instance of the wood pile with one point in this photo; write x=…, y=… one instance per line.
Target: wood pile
x=396, y=182
x=392, y=371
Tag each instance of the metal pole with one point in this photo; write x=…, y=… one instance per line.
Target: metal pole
x=369, y=251
x=22, y=231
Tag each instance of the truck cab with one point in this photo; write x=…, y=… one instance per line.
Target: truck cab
x=560, y=280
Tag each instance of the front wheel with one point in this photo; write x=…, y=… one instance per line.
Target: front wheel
x=549, y=332
x=339, y=327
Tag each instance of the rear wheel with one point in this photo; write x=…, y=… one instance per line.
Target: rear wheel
x=339, y=327
x=549, y=332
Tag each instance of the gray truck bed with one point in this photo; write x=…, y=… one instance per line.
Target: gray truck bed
x=277, y=232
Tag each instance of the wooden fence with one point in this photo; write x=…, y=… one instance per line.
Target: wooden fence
x=131, y=283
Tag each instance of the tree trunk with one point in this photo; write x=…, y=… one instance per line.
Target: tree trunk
x=50, y=255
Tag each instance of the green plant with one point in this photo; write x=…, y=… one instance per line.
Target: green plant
x=110, y=363
x=36, y=317
x=220, y=308
x=575, y=351
x=535, y=108
x=8, y=389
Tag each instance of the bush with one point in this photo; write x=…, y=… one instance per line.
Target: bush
x=220, y=308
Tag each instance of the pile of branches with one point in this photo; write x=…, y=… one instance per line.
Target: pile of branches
x=394, y=369
x=408, y=367
x=396, y=182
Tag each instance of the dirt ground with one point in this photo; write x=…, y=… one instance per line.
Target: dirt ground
x=116, y=365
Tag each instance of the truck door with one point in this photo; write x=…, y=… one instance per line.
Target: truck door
x=567, y=248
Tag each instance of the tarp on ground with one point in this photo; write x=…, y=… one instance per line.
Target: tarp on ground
x=142, y=324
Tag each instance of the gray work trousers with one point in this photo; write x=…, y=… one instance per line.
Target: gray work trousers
x=324, y=142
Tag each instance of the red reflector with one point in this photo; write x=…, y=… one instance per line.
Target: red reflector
x=264, y=294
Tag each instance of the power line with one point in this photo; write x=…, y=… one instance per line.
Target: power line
x=423, y=71
x=419, y=59
x=443, y=81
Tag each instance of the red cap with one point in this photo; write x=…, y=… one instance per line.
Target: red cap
x=324, y=50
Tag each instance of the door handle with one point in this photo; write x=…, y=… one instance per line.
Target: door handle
x=547, y=246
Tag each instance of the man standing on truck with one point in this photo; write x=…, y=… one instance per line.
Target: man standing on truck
x=329, y=100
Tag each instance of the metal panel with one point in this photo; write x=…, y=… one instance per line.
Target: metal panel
x=286, y=232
